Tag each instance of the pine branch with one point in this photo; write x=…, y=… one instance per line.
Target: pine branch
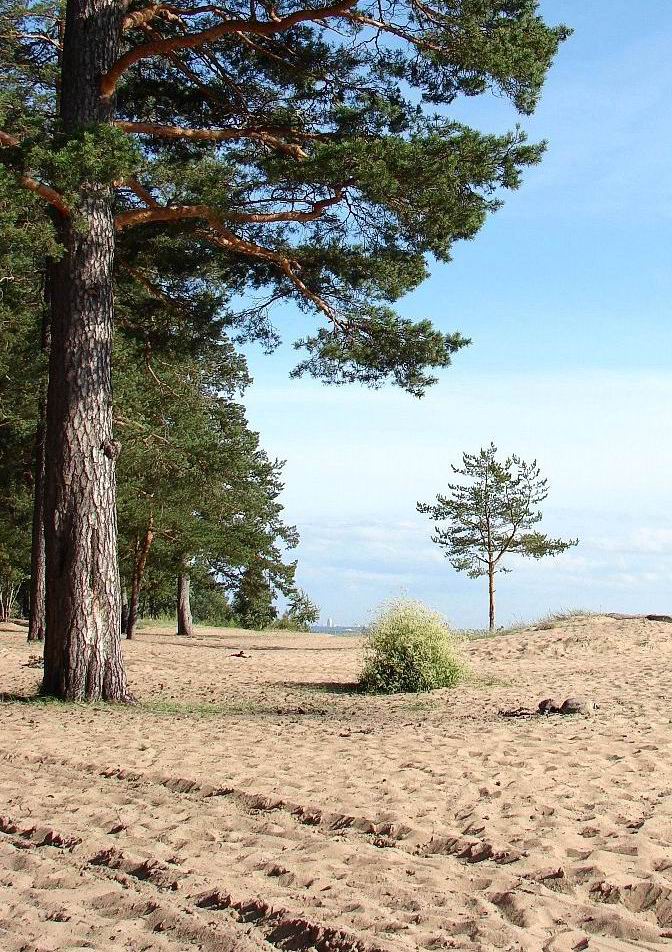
x=195, y=40
x=219, y=235
x=385, y=27
x=265, y=136
x=49, y=194
x=152, y=289
x=168, y=213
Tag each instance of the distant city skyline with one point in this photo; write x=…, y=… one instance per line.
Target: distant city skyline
x=566, y=294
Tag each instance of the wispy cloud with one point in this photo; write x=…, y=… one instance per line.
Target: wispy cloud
x=351, y=567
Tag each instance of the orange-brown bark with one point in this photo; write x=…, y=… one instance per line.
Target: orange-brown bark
x=26, y=181
x=160, y=47
x=161, y=213
x=213, y=135
x=218, y=234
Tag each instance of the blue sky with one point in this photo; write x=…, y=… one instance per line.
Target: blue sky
x=566, y=295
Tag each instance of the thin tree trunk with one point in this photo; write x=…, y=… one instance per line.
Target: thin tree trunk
x=38, y=569
x=124, y=609
x=37, y=625
x=6, y=602
x=24, y=599
x=83, y=657
x=491, y=592
x=142, y=552
x=133, y=605
x=185, y=625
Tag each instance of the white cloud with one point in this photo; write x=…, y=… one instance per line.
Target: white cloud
x=358, y=461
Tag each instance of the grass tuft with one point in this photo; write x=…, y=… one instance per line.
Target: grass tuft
x=544, y=623
x=158, y=621
x=169, y=707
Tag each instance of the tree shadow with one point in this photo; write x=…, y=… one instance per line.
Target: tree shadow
x=45, y=700
x=325, y=687
x=9, y=697
x=205, y=641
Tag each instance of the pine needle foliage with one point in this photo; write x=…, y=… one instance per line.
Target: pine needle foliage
x=25, y=239
x=293, y=151
x=409, y=648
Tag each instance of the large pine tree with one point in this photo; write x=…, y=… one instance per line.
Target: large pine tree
x=310, y=148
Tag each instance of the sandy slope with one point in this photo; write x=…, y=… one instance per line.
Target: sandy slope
x=303, y=816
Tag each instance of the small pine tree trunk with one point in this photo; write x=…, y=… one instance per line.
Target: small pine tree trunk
x=38, y=566
x=133, y=609
x=24, y=600
x=124, y=610
x=82, y=657
x=142, y=552
x=185, y=625
x=38, y=615
x=37, y=622
x=491, y=593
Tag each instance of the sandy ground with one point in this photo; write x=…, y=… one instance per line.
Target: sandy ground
x=301, y=815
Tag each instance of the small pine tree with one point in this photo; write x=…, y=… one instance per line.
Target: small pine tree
x=494, y=514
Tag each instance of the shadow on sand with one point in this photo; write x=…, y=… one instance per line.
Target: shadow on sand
x=7, y=697
x=325, y=687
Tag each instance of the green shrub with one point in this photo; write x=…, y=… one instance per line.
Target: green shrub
x=409, y=648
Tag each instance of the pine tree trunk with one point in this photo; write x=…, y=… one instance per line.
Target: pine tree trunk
x=37, y=624
x=185, y=625
x=142, y=552
x=124, y=610
x=133, y=608
x=491, y=593
x=24, y=600
x=83, y=658
x=6, y=600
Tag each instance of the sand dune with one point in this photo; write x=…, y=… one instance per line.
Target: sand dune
x=300, y=815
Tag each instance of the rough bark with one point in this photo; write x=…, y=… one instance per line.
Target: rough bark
x=491, y=594
x=83, y=657
x=185, y=625
x=141, y=553
x=38, y=617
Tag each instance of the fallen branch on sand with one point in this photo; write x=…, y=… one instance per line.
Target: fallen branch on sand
x=620, y=617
